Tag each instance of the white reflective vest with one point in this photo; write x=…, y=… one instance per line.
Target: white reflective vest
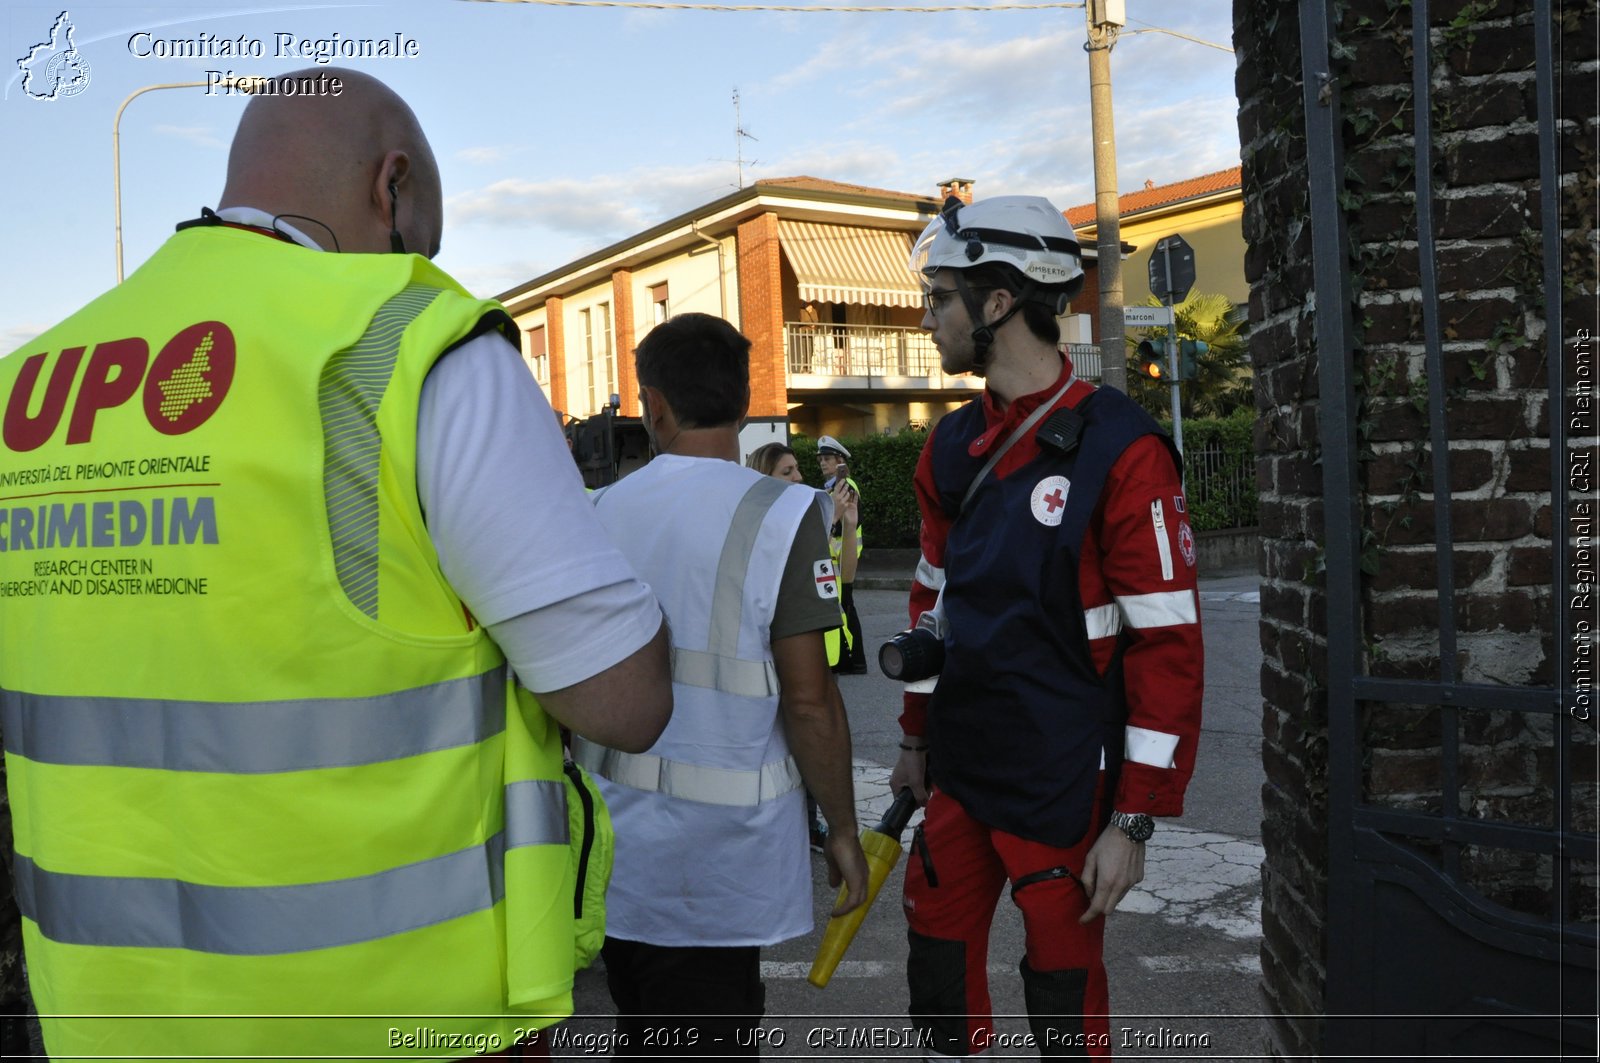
x=711, y=841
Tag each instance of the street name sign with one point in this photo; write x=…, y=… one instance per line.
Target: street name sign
x=1145, y=316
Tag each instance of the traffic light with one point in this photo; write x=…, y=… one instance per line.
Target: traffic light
x=1189, y=352
x=1153, y=358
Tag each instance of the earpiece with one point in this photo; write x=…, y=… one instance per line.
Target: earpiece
x=396, y=244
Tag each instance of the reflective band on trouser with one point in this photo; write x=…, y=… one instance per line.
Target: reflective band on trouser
x=246, y=738
x=691, y=782
x=271, y=920
x=348, y=395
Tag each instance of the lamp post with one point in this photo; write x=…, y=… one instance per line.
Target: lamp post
x=245, y=84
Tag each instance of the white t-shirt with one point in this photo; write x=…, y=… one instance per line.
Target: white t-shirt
x=505, y=507
x=516, y=535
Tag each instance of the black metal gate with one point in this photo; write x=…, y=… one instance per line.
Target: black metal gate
x=1421, y=961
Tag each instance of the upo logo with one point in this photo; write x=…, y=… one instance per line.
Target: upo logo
x=54, y=69
x=185, y=385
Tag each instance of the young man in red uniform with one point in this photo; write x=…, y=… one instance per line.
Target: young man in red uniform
x=1063, y=575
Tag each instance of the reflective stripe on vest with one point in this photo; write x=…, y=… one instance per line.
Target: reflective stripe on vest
x=269, y=920
x=718, y=668
x=253, y=737
x=691, y=782
x=348, y=395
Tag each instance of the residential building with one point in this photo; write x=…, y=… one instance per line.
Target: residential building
x=812, y=271
x=1207, y=211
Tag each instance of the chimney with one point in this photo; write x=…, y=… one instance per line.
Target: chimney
x=960, y=187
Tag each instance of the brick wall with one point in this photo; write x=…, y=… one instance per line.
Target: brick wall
x=556, y=338
x=626, y=338
x=761, y=315
x=1496, y=419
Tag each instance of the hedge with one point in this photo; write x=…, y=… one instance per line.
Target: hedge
x=1219, y=476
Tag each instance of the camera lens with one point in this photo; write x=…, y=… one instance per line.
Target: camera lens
x=912, y=656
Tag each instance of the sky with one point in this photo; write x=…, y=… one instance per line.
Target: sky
x=562, y=129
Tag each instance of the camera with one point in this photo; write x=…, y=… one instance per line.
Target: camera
x=918, y=654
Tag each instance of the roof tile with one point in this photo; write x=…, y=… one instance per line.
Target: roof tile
x=1161, y=195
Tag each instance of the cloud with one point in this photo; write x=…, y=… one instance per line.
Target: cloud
x=603, y=206
x=194, y=134
x=13, y=337
x=484, y=155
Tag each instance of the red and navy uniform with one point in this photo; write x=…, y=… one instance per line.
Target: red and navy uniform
x=1071, y=685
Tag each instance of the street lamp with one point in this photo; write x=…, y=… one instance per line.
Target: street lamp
x=244, y=84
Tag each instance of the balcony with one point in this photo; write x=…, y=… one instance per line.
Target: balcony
x=885, y=357
x=866, y=358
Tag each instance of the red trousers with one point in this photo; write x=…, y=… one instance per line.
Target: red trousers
x=950, y=912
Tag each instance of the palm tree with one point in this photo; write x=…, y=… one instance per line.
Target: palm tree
x=1223, y=379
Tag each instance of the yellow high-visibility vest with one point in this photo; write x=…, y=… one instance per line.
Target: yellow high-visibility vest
x=274, y=792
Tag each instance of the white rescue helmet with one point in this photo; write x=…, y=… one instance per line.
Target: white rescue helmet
x=1025, y=232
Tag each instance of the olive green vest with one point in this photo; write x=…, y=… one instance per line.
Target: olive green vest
x=262, y=763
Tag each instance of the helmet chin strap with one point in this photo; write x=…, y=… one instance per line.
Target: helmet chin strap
x=983, y=334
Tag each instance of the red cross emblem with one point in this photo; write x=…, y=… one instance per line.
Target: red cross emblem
x=1049, y=500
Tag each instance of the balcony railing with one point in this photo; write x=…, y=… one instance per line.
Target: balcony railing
x=885, y=356
x=879, y=355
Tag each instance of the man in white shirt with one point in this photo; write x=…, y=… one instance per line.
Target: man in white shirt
x=711, y=834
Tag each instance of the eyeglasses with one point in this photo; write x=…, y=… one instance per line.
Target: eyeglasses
x=934, y=298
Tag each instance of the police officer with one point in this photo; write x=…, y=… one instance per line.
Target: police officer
x=831, y=458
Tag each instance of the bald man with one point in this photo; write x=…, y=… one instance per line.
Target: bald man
x=291, y=625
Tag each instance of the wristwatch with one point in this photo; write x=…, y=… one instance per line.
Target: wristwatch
x=1136, y=825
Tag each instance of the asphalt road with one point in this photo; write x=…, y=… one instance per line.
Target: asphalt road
x=1182, y=951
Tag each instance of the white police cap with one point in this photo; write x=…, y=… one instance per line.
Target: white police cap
x=830, y=445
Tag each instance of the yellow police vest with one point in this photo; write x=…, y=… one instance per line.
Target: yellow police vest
x=262, y=763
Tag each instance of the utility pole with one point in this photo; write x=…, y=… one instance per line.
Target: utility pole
x=1106, y=18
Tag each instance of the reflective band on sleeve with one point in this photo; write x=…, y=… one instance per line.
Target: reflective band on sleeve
x=1161, y=609
x=751, y=679
x=691, y=782
x=928, y=575
x=251, y=738
x=260, y=920
x=1102, y=621
x=349, y=393
x=1155, y=748
x=536, y=813
x=1158, y=518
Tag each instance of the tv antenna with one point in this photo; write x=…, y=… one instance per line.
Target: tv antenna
x=740, y=135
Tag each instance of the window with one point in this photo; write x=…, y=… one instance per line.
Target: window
x=588, y=355
x=538, y=355
x=609, y=349
x=600, y=361
x=659, y=309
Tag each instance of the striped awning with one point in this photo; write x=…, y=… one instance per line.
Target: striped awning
x=836, y=264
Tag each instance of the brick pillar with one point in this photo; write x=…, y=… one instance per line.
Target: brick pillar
x=623, y=336
x=761, y=312
x=1497, y=430
x=556, y=342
